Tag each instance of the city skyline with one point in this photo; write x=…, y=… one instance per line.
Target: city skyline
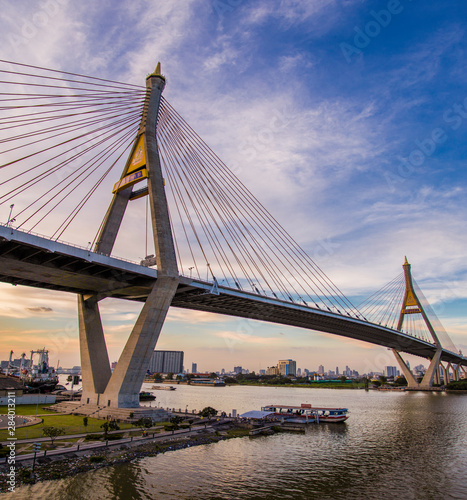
x=354, y=114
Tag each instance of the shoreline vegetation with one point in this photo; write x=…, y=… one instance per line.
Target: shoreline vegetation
x=460, y=385
x=340, y=382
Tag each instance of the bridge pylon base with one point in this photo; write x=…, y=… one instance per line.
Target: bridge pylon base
x=121, y=388
x=429, y=377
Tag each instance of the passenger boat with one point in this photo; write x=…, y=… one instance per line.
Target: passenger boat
x=146, y=396
x=161, y=388
x=306, y=413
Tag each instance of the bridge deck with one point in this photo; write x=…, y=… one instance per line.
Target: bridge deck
x=31, y=260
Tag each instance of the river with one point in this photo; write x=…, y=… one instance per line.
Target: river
x=394, y=445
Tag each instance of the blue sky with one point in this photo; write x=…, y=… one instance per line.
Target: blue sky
x=355, y=111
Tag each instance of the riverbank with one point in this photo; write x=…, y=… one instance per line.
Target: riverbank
x=309, y=385
x=51, y=468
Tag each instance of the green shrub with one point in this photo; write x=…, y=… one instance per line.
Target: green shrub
x=113, y=437
x=92, y=437
x=97, y=458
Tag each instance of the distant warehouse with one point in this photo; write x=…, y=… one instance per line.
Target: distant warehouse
x=166, y=362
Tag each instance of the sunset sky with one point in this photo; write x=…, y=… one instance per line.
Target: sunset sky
x=346, y=118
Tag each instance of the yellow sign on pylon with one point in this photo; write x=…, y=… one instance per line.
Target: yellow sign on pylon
x=410, y=305
x=138, y=160
x=410, y=300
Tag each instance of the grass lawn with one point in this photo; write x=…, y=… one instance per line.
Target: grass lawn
x=73, y=424
x=26, y=409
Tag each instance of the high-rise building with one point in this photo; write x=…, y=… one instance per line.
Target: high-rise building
x=321, y=370
x=166, y=362
x=194, y=367
x=272, y=370
x=337, y=370
x=390, y=371
x=237, y=369
x=287, y=367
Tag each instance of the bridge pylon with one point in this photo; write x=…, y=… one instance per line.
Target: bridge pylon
x=411, y=305
x=121, y=388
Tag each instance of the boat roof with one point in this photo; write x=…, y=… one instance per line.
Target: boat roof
x=306, y=407
x=257, y=414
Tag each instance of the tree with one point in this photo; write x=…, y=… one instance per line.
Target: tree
x=383, y=379
x=170, y=376
x=213, y=375
x=176, y=420
x=105, y=426
x=109, y=426
x=343, y=378
x=208, y=411
x=157, y=376
x=143, y=423
x=400, y=381
x=53, y=432
x=85, y=421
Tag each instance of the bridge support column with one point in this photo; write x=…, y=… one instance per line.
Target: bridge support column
x=411, y=382
x=455, y=371
x=445, y=375
x=427, y=381
x=95, y=366
x=436, y=380
x=449, y=368
x=125, y=383
x=464, y=370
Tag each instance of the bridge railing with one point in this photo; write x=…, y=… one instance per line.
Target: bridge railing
x=74, y=245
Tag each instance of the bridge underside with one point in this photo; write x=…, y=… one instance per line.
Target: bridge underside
x=34, y=261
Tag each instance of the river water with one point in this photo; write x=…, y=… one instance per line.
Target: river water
x=395, y=445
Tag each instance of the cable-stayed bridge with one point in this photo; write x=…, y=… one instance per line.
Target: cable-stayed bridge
x=63, y=135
